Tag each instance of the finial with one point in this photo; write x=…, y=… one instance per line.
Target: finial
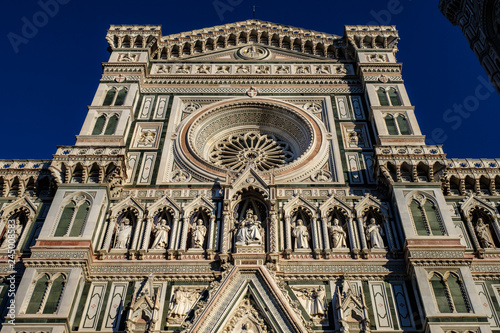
x=253, y=11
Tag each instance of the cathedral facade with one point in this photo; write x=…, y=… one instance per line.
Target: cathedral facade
x=480, y=23
x=250, y=177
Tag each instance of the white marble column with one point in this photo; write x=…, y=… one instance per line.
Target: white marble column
x=362, y=236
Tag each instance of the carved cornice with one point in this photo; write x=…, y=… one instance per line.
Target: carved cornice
x=24, y=167
x=372, y=37
x=214, y=39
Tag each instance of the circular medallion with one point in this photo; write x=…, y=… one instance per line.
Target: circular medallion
x=253, y=52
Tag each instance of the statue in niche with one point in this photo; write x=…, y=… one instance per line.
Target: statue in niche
x=338, y=235
x=198, y=233
x=123, y=234
x=484, y=235
x=301, y=235
x=181, y=303
x=374, y=235
x=249, y=230
x=161, y=235
x=16, y=230
x=354, y=138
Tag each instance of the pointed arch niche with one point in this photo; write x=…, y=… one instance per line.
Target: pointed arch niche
x=21, y=214
x=481, y=222
x=252, y=201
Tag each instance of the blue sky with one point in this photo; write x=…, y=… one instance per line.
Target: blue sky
x=50, y=77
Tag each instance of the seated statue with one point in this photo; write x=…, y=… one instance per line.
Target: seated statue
x=249, y=230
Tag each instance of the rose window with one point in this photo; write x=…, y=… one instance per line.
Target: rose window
x=265, y=151
x=273, y=136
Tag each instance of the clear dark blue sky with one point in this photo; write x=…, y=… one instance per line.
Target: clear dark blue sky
x=48, y=83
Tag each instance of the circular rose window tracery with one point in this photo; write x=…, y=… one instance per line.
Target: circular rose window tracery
x=265, y=151
x=274, y=136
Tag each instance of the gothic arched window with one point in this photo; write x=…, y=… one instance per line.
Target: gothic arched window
x=111, y=125
x=99, y=125
x=418, y=219
x=46, y=294
x=382, y=97
x=441, y=294
x=72, y=220
x=110, y=97
x=80, y=218
x=65, y=219
x=105, y=125
x=403, y=125
x=390, y=123
x=34, y=306
x=54, y=295
x=449, y=293
x=394, y=97
x=120, y=99
x=426, y=219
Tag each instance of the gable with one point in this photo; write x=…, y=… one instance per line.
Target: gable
x=254, y=284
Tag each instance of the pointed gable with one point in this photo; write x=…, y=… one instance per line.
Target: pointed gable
x=253, y=283
x=250, y=179
x=473, y=201
x=131, y=203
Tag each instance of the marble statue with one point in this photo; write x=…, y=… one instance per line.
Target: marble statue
x=123, y=234
x=338, y=235
x=484, y=235
x=161, y=235
x=313, y=299
x=373, y=235
x=198, y=233
x=181, y=302
x=249, y=230
x=301, y=235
